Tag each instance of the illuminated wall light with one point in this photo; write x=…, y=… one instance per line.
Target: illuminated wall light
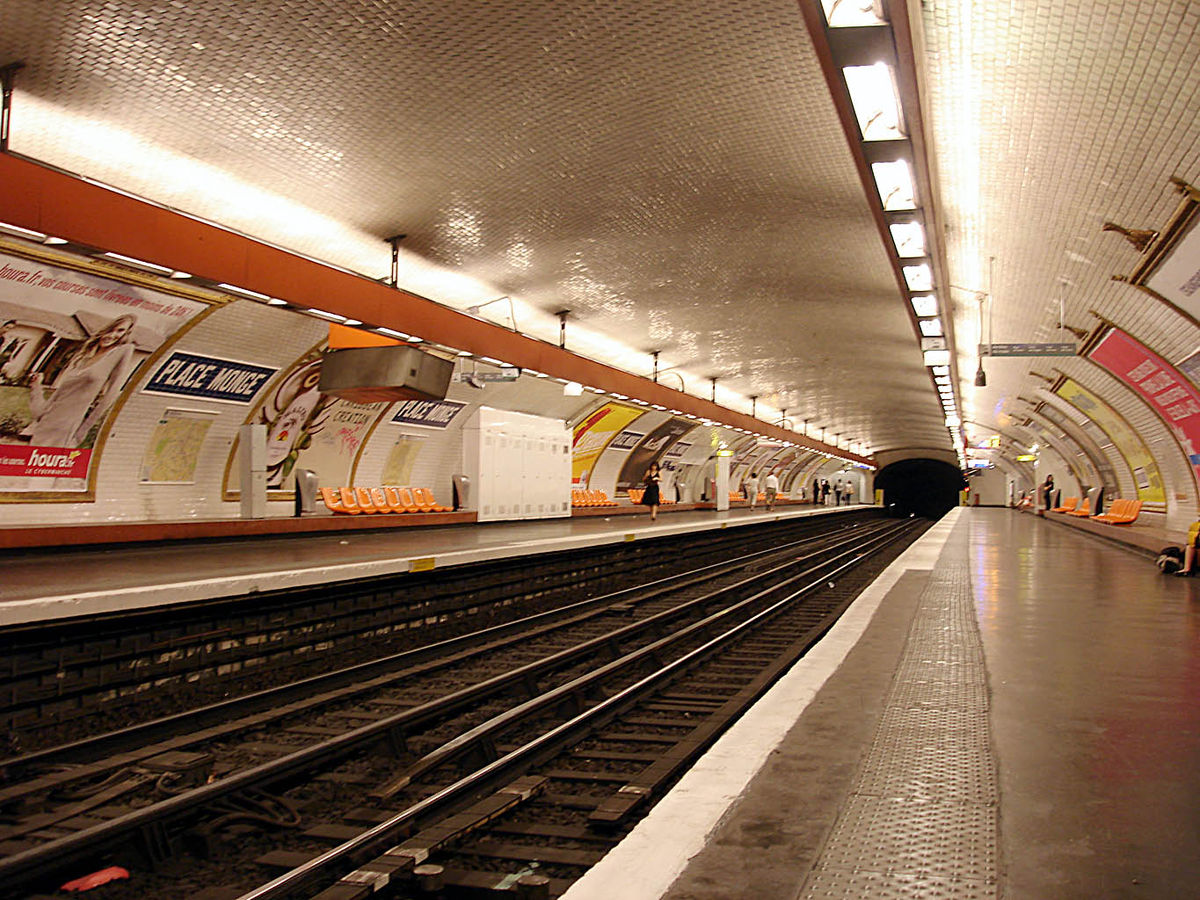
x=909, y=238
x=940, y=379
x=895, y=185
x=931, y=327
x=918, y=278
x=937, y=357
x=876, y=102
x=55, y=240
x=275, y=301
x=924, y=305
x=352, y=322
x=322, y=314
x=178, y=274
x=941, y=370
x=245, y=292
x=140, y=263
x=391, y=332
x=846, y=14
x=18, y=231
x=572, y=389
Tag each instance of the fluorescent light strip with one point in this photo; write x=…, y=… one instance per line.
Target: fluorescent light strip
x=245, y=292
x=18, y=231
x=140, y=263
x=322, y=314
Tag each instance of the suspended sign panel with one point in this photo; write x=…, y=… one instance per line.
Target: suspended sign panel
x=1172, y=396
x=1063, y=349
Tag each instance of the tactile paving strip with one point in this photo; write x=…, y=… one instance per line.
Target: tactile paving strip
x=921, y=818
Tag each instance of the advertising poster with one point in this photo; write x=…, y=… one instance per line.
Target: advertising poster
x=593, y=435
x=1172, y=396
x=1124, y=439
x=69, y=343
x=653, y=447
x=307, y=429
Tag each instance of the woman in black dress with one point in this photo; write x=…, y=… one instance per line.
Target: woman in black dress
x=651, y=496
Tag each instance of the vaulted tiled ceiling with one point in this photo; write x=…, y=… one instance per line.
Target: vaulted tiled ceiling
x=673, y=173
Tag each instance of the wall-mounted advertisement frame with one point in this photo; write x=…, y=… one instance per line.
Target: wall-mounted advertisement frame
x=1146, y=477
x=1169, y=268
x=74, y=334
x=1164, y=389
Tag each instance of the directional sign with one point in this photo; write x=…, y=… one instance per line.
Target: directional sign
x=1065, y=349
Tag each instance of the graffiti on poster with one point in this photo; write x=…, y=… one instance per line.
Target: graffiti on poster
x=69, y=343
x=308, y=429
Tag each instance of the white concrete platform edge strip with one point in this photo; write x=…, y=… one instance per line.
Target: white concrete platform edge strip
x=89, y=603
x=651, y=858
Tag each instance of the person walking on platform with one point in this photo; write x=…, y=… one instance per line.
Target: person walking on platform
x=751, y=484
x=651, y=496
x=771, y=488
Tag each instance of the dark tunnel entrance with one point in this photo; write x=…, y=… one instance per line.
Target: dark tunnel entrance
x=920, y=487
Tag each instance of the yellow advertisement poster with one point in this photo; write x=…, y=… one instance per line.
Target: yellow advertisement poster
x=1125, y=440
x=592, y=436
x=401, y=459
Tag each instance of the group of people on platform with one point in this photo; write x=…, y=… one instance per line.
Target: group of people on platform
x=843, y=492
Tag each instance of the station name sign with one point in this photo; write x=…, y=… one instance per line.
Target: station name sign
x=430, y=413
x=209, y=378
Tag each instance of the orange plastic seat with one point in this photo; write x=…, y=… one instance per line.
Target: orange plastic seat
x=424, y=496
x=1068, y=504
x=333, y=500
x=636, y=494
x=363, y=495
x=1085, y=509
x=394, y=504
x=379, y=501
x=349, y=500
x=407, y=500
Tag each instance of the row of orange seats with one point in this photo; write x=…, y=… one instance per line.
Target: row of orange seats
x=1120, y=511
x=381, y=500
x=581, y=498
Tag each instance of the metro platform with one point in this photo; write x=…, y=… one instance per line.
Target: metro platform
x=1012, y=710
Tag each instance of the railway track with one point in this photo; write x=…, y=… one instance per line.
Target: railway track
x=62, y=679
x=321, y=761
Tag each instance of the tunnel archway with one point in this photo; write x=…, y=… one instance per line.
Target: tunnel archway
x=927, y=488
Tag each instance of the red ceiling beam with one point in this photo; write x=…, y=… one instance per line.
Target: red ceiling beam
x=44, y=199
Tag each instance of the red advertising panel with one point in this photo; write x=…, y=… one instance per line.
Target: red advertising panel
x=1159, y=383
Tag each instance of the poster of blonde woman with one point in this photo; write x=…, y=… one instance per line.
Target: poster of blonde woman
x=70, y=342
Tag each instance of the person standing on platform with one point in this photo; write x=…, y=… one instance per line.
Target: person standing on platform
x=837, y=492
x=751, y=484
x=651, y=496
x=771, y=488
x=849, y=493
x=825, y=492
x=816, y=494
x=1048, y=492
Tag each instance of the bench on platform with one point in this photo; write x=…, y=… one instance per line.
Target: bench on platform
x=376, y=500
x=1068, y=505
x=1121, y=512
